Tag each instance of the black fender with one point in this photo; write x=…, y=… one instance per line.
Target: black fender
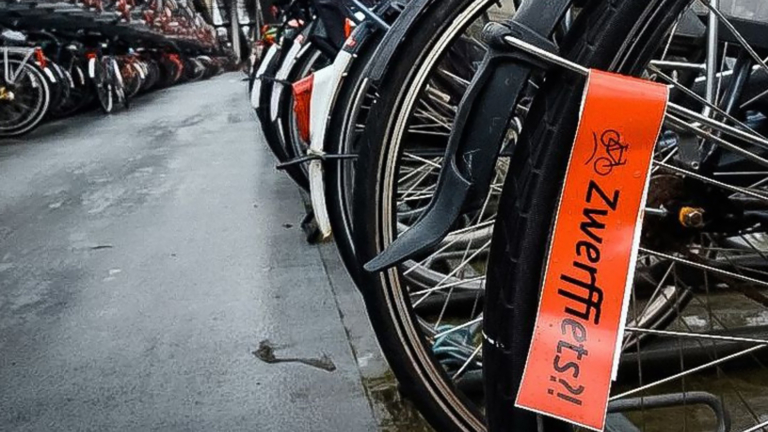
x=480, y=127
x=396, y=36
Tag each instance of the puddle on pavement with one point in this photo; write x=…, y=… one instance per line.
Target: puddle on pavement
x=394, y=413
x=266, y=353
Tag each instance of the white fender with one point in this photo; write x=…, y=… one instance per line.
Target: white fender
x=68, y=76
x=80, y=76
x=326, y=85
x=278, y=88
x=282, y=74
x=256, y=89
x=139, y=70
x=116, y=70
x=49, y=74
x=92, y=68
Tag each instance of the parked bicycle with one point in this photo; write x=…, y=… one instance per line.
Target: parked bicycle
x=59, y=58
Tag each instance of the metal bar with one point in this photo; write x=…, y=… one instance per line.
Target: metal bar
x=671, y=107
x=371, y=15
x=683, y=125
x=675, y=399
x=680, y=123
x=696, y=335
x=457, y=328
x=6, y=66
x=730, y=130
x=712, y=42
x=704, y=267
x=757, y=427
x=675, y=84
x=666, y=64
x=719, y=15
x=546, y=55
x=688, y=372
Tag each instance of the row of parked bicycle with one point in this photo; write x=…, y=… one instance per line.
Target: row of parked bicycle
x=58, y=58
x=434, y=136
x=175, y=19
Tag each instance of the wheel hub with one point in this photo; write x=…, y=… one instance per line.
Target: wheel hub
x=680, y=222
x=6, y=95
x=691, y=217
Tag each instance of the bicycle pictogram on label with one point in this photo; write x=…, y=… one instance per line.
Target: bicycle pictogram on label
x=609, y=152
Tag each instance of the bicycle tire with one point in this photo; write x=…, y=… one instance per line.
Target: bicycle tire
x=343, y=117
x=103, y=88
x=263, y=113
x=612, y=35
x=422, y=378
x=34, y=119
x=285, y=126
x=55, y=84
x=79, y=96
x=62, y=86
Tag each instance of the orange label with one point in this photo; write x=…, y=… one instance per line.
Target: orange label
x=576, y=343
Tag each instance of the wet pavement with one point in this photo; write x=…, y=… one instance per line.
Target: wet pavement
x=153, y=276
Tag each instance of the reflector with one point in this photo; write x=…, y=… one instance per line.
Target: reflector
x=302, y=94
x=40, y=57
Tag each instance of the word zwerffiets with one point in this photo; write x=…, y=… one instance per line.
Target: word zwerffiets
x=576, y=342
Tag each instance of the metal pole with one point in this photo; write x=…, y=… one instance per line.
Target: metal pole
x=259, y=18
x=235, y=34
x=712, y=41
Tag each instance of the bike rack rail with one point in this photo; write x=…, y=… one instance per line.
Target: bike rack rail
x=667, y=401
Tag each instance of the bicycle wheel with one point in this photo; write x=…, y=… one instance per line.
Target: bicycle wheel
x=58, y=89
x=198, y=69
x=153, y=75
x=286, y=124
x=426, y=312
x=266, y=89
x=134, y=78
x=80, y=94
x=347, y=119
x=720, y=266
x=103, y=85
x=24, y=97
x=261, y=93
x=61, y=87
x=116, y=78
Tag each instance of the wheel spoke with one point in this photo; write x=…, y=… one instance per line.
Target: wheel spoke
x=687, y=372
x=711, y=269
x=696, y=335
x=467, y=363
x=744, y=44
x=704, y=179
x=456, y=269
x=701, y=100
x=721, y=127
x=477, y=320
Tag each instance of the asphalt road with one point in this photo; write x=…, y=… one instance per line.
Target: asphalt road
x=147, y=255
